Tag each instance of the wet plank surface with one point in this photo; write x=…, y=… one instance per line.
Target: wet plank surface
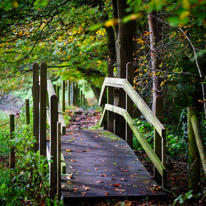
x=100, y=164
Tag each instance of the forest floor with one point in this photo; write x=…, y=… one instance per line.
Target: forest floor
x=177, y=171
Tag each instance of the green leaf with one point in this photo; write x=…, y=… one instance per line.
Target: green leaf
x=96, y=27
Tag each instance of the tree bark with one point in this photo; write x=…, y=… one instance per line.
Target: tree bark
x=155, y=38
x=124, y=54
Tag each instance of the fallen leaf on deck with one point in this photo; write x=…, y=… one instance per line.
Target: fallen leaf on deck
x=85, y=187
x=103, y=175
x=119, y=190
x=70, y=133
x=114, y=178
x=122, y=179
x=88, y=170
x=63, y=186
x=99, y=181
x=132, y=176
x=96, y=168
x=106, y=193
x=124, y=170
x=69, y=177
x=69, y=182
x=116, y=185
x=69, y=150
x=72, y=160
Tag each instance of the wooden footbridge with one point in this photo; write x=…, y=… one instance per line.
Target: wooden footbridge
x=98, y=163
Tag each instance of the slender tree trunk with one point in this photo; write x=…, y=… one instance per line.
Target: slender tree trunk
x=155, y=38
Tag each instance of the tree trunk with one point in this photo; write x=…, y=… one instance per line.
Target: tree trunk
x=124, y=54
x=155, y=38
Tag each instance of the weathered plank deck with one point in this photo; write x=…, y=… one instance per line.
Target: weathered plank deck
x=101, y=164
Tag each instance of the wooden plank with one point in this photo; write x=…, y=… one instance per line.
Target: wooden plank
x=43, y=100
x=100, y=164
x=145, y=110
x=156, y=161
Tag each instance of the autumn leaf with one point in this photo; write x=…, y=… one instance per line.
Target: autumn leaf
x=119, y=190
x=69, y=177
x=99, y=181
x=69, y=150
x=72, y=160
x=85, y=187
x=116, y=185
x=106, y=193
x=103, y=175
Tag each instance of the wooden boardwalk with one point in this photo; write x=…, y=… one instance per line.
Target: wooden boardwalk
x=101, y=165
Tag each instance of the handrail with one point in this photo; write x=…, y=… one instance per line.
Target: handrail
x=142, y=106
x=157, y=156
x=51, y=92
x=150, y=152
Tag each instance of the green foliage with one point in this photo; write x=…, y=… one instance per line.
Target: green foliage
x=146, y=129
x=184, y=199
x=28, y=182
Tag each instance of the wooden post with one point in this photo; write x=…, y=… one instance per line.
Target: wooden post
x=69, y=93
x=63, y=96
x=129, y=104
x=36, y=102
x=199, y=141
x=158, y=146
x=27, y=112
x=58, y=160
x=43, y=93
x=53, y=145
x=110, y=115
x=193, y=156
x=12, y=149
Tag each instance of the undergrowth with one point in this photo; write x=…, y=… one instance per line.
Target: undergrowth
x=28, y=182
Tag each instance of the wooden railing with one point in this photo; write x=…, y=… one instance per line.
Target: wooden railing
x=196, y=148
x=46, y=109
x=158, y=155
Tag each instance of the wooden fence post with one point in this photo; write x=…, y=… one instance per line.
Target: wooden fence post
x=58, y=160
x=63, y=96
x=69, y=93
x=193, y=155
x=159, y=142
x=199, y=141
x=129, y=104
x=27, y=112
x=12, y=149
x=110, y=115
x=53, y=145
x=36, y=103
x=43, y=100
